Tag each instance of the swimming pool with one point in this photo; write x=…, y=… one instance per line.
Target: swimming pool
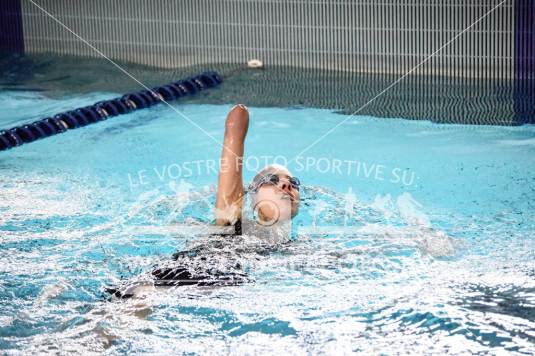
x=412, y=236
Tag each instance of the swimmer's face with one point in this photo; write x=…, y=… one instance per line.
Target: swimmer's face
x=277, y=202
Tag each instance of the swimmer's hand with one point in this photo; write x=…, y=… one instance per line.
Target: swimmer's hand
x=236, y=125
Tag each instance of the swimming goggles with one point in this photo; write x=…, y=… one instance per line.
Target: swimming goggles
x=274, y=180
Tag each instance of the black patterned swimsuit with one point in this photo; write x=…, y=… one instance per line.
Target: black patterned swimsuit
x=181, y=273
x=195, y=267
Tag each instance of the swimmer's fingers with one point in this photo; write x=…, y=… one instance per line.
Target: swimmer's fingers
x=237, y=122
x=239, y=107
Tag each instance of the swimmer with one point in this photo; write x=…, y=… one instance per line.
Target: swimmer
x=274, y=191
x=274, y=196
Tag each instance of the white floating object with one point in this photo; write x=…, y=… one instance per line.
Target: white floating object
x=255, y=63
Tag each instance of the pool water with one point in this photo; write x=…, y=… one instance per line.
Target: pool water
x=411, y=237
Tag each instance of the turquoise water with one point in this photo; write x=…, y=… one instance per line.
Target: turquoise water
x=412, y=236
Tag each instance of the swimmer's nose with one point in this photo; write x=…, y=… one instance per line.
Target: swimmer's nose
x=286, y=186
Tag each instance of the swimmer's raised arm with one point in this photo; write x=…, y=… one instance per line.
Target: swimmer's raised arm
x=230, y=192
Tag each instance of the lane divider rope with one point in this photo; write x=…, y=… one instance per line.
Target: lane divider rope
x=102, y=110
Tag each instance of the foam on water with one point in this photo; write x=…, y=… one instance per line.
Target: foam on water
x=441, y=261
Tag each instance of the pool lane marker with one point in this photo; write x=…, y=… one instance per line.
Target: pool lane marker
x=102, y=110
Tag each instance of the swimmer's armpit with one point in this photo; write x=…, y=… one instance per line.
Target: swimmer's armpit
x=229, y=214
